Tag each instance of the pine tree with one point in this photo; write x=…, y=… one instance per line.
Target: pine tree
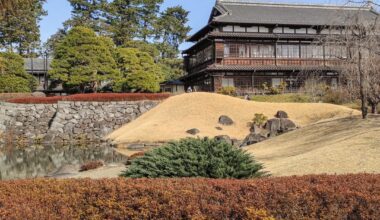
x=88, y=13
x=13, y=77
x=84, y=60
x=139, y=72
x=19, y=28
x=195, y=158
x=172, y=30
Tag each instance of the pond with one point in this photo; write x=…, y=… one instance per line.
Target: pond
x=42, y=161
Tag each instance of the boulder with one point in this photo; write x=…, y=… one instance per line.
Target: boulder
x=252, y=139
x=225, y=120
x=273, y=126
x=193, y=131
x=282, y=114
x=224, y=138
x=38, y=94
x=286, y=125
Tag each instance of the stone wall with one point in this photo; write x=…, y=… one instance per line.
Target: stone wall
x=67, y=121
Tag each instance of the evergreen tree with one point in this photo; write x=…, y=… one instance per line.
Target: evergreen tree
x=88, y=13
x=172, y=30
x=148, y=17
x=139, y=72
x=172, y=68
x=195, y=158
x=84, y=60
x=123, y=20
x=19, y=28
x=13, y=77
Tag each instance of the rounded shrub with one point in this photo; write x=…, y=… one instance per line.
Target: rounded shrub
x=191, y=157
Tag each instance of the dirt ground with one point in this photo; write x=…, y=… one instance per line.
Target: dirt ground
x=348, y=145
x=171, y=119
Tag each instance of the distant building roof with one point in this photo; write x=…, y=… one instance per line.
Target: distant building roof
x=173, y=82
x=36, y=64
x=243, y=11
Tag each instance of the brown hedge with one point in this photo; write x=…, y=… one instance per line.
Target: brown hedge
x=308, y=197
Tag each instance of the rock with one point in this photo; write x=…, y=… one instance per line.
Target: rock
x=286, y=125
x=273, y=126
x=252, y=139
x=282, y=114
x=224, y=138
x=236, y=142
x=219, y=128
x=225, y=120
x=193, y=131
x=38, y=94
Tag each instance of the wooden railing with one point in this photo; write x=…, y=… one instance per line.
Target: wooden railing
x=279, y=62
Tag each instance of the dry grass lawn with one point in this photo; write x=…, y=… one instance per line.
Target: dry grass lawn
x=348, y=145
x=171, y=119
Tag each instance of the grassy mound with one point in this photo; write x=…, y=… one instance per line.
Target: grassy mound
x=172, y=118
x=348, y=145
x=309, y=197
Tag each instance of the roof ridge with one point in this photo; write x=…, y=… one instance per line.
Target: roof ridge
x=296, y=5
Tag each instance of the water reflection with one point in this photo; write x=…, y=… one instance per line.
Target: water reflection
x=39, y=161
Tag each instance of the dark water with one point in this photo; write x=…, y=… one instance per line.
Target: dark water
x=39, y=161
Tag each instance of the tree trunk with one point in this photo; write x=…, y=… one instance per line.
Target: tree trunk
x=374, y=108
x=363, y=96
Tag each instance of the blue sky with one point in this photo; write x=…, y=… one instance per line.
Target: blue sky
x=60, y=10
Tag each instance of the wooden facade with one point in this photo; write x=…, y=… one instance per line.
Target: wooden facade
x=242, y=48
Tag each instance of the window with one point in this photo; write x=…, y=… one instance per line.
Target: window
x=226, y=50
x=301, y=31
x=243, y=51
x=311, y=51
x=239, y=29
x=267, y=50
x=276, y=82
x=311, y=31
x=263, y=29
x=288, y=30
x=255, y=51
x=288, y=51
x=335, y=31
x=277, y=30
x=334, y=83
x=253, y=29
x=325, y=31
x=227, y=82
x=228, y=28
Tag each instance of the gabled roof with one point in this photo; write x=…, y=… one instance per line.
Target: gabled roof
x=250, y=12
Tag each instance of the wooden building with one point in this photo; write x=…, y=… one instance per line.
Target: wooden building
x=246, y=44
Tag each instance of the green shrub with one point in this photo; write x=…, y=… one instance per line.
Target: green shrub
x=259, y=120
x=228, y=90
x=195, y=158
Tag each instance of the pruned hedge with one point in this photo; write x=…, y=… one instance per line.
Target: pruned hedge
x=308, y=197
x=94, y=97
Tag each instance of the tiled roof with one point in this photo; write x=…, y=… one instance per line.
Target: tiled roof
x=36, y=64
x=243, y=11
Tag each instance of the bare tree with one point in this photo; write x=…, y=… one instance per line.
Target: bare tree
x=359, y=37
